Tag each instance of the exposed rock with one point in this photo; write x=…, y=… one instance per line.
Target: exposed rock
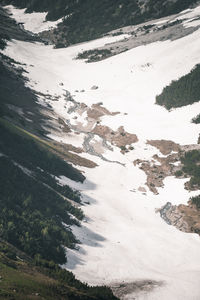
x=184, y=217
x=155, y=172
x=91, y=125
x=167, y=166
x=119, y=138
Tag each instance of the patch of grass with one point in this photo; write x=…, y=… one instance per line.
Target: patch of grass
x=24, y=279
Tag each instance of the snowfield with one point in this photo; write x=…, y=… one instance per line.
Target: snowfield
x=126, y=83
x=34, y=22
x=123, y=238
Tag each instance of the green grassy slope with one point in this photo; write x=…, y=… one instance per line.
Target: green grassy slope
x=22, y=278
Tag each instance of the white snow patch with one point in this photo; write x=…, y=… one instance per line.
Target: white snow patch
x=192, y=24
x=175, y=192
x=34, y=22
x=176, y=164
x=190, y=13
x=75, y=140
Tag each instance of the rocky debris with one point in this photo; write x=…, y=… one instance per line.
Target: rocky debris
x=119, y=138
x=155, y=172
x=132, y=289
x=167, y=166
x=93, y=143
x=94, y=147
x=97, y=110
x=94, y=87
x=164, y=146
x=186, y=218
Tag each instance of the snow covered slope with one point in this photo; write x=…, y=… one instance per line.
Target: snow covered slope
x=34, y=22
x=123, y=239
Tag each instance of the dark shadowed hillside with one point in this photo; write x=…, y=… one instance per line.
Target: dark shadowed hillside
x=88, y=19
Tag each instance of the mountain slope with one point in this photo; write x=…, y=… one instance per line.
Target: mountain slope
x=182, y=92
x=25, y=278
x=36, y=210
x=135, y=165
x=86, y=19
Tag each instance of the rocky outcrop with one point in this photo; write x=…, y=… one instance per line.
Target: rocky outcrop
x=158, y=169
x=184, y=217
x=119, y=138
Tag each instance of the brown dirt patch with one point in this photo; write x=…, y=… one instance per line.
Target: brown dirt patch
x=164, y=146
x=119, y=138
x=97, y=110
x=155, y=172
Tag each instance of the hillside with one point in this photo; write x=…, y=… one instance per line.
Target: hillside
x=184, y=91
x=36, y=210
x=24, y=278
x=87, y=20
x=99, y=184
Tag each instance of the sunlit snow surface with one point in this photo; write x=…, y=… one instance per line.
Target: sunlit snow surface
x=34, y=22
x=124, y=83
x=123, y=239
